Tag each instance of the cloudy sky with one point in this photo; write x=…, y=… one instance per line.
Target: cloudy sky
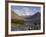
x=25, y=10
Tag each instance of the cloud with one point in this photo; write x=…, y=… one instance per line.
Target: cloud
x=27, y=11
x=18, y=12
x=22, y=11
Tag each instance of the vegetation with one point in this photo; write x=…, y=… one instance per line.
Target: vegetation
x=18, y=22
x=16, y=19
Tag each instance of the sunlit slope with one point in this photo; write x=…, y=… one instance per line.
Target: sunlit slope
x=15, y=16
x=16, y=19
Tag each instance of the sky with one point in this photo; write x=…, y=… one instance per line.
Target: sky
x=25, y=10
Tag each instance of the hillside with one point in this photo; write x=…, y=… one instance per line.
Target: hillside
x=20, y=24
x=34, y=21
x=16, y=19
x=15, y=16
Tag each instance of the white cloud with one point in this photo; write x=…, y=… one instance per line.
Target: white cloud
x=23, y=12
x=18, y=12
x=27, y=12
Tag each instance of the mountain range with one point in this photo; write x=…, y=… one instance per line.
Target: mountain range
x=15, y=17
x=33, y=17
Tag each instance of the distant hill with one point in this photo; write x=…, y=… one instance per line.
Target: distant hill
x=33, y=21
x=34, y=18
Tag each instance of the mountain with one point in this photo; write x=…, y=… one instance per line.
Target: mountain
x=33, y=21
x=34, y=18
x=16, y=19
x=15, y=16
x=20, y=19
